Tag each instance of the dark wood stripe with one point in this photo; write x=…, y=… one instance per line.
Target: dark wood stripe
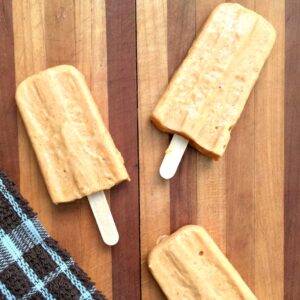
x=292, y=146
x=240, y=196
x=9, y=156
x=183, y=187
x=122, y=95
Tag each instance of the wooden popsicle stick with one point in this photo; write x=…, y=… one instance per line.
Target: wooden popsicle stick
x=173, y=156
x=104, y=218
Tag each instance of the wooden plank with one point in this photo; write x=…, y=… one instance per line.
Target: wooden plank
x=211, y=185
x=48, y=33
x=239, y=199
x=269, y=159
x=123, y=122
x=292, y=146
x=152, y=80
x=8, y=110
x=91, y=59
x=30, y=58
x=240, y=190
x=183, y=187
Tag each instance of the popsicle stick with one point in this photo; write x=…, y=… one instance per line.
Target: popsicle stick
x=104, y=218
x=173, y=156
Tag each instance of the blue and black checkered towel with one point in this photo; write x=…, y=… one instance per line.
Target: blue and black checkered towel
x=32, y=264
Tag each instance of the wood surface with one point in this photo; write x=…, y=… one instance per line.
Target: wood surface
x=238, y=199
x=121, y=58
x=128, y=50
x=8, y=110
x=292, y=145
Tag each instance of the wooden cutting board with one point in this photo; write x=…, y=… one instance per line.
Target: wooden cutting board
x=128, y=50
x=238, y=199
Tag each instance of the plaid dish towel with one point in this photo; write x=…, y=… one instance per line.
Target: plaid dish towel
x=32, y=264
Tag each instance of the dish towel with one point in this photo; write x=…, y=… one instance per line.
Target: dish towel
x=32, y=264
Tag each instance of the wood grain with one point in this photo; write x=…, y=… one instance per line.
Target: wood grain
x=123, y=125
x=8, y=120
x=269, y=160
x=211, y=184
x=128, y=50
x=183, y=188
x=240, y=190
x=292, y=145
x=152, y=60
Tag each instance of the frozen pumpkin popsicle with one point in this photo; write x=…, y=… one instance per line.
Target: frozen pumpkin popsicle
x=189, y=265
x=75, y=151
x=208, y=92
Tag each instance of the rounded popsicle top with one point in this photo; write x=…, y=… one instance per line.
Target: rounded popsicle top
x=208, y=92
x=75, y=151
x=189, y=264
x=222, y=7
x=54, y=70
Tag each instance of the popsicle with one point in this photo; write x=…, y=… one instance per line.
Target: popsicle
x=75, y=151
x=189, y=265
x=208, y=92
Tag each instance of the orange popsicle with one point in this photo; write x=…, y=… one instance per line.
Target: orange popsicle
x=75, y=151
x=189, y=265
x=208, y=92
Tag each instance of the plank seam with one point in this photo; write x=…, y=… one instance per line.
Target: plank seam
x=138, y=147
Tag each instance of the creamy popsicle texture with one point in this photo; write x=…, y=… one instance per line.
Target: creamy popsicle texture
x=189, y=265
x=75, y=151
x=208, y=92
